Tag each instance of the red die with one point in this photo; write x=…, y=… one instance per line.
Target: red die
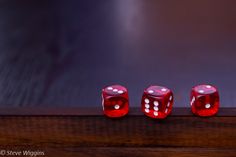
x=157, y=102
x=204, y=100
x=115, y=101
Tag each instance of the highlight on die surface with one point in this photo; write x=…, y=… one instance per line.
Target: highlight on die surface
x=157, y=102
x=204, y=100
x=115, y=101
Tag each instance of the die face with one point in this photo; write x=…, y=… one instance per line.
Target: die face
x=115, y=101
x=115, y=90
x=157, y=102
x=204, y=100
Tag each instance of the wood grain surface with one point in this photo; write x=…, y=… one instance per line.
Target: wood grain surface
x=135, y=134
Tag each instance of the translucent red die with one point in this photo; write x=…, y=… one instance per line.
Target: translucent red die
x=115, y=101
x=157, y=102
x=204, y=100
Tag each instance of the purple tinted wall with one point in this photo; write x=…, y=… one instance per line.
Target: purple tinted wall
x=60, y=53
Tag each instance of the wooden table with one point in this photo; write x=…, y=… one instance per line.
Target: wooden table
x=86, y=132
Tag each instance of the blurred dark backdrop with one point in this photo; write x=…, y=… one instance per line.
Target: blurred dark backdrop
x=61, y=53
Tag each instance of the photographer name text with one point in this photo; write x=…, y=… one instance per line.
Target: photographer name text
x=28, y=153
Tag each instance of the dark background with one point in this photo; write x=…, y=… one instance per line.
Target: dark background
x=62, y=53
